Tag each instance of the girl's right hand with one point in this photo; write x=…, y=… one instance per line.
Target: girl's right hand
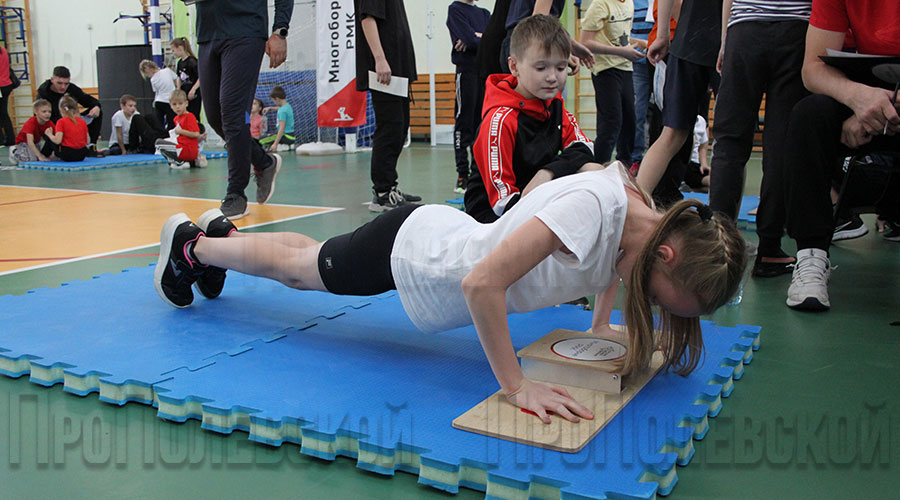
x=539, y=398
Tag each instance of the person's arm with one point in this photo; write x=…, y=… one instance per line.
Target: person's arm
x=872, y=107
x=192, y=94
x=726, y=16
x=29, y=139
x=276, y=46
x=278, y=136
x=660, y=47
x=493, y=151
x=55, y=137
x=85, y=100
x=461, y=30
x=628, y=51
x=485, y=290
x=120, y=139
x=382, y=68
x=542, y=7
x=702, y=151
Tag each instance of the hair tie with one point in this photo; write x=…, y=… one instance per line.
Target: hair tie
x=705, y=213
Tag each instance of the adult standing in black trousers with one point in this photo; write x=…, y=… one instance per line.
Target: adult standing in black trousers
x=232, y=37
x=466, y=23
x=842, y=118
x=58, y=85
x=763, y=54
x=384, y=46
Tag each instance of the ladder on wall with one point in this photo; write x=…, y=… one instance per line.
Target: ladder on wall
x=15, y=34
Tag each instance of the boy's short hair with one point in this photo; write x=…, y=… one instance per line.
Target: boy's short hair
x=277, y=93
x=543, y=29
x=126, y=98
x=177, y=95
x=40, y=103
x=61, y=72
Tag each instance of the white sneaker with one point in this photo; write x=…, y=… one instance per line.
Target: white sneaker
x=809, y=284
x=201, y=161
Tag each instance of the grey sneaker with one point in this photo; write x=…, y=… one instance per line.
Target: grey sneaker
x=409, y=197
x=265, y=180
x=809, y=284
x=382, y=202
x=234, y=206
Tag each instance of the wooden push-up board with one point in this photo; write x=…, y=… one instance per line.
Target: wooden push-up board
x=496, y=417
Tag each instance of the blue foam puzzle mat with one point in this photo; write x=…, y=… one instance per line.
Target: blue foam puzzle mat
x=748, y=203
x=369, y=386
x=114, y=335
x=106, y=162
x=456, y=201
x=351, y=376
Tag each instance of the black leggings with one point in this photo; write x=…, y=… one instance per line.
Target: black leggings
x=66, y=153
x=359, y=263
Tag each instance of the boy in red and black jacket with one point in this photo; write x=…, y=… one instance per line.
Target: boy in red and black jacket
x=526, y=137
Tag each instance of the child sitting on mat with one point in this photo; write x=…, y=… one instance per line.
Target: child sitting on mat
x=186, y=150
x=71, y=135
x=568, y=238
x=285, y=134
x=31, y=145
x=257, y=120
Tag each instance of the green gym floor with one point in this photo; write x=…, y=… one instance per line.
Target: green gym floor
x=816, y=415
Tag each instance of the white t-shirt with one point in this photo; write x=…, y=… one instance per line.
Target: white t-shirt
x=119, y=120
x=701, y=136
x=438, y=245
x=163, y=84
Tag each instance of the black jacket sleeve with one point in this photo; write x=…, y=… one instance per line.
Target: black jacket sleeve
x=571, y=159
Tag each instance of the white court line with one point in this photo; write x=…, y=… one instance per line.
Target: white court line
x=324, y=210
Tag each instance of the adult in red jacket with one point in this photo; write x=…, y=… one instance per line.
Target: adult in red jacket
x=519, y=139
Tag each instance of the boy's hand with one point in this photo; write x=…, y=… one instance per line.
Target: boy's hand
x=178, y=130
x=658, y=50
x=583, y=54
x=48, y=131
x=273, y=148
x=540, y=398
x=631, y=53
x=42, y=157
x=460, y=46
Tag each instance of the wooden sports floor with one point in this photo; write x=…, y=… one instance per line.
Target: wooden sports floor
x=817, y=414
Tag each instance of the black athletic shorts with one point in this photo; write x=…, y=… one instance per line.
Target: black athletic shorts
x=685, y=92
x=359, y=263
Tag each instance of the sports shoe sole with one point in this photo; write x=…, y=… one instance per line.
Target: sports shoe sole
x=277, y=168
x=808, y=304
x=849, y=234
x=165, y=251
x=375, y=207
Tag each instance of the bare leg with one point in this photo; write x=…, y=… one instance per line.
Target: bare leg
x=658, y=157
x=265, y=256
x=293, y=240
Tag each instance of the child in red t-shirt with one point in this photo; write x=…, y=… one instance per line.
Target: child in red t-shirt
x=30, y=141
x=71, y=133
x=186, y=151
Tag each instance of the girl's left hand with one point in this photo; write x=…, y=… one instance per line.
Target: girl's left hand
x=540, y=398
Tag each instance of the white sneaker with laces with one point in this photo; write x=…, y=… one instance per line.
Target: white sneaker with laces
x=809, y=283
